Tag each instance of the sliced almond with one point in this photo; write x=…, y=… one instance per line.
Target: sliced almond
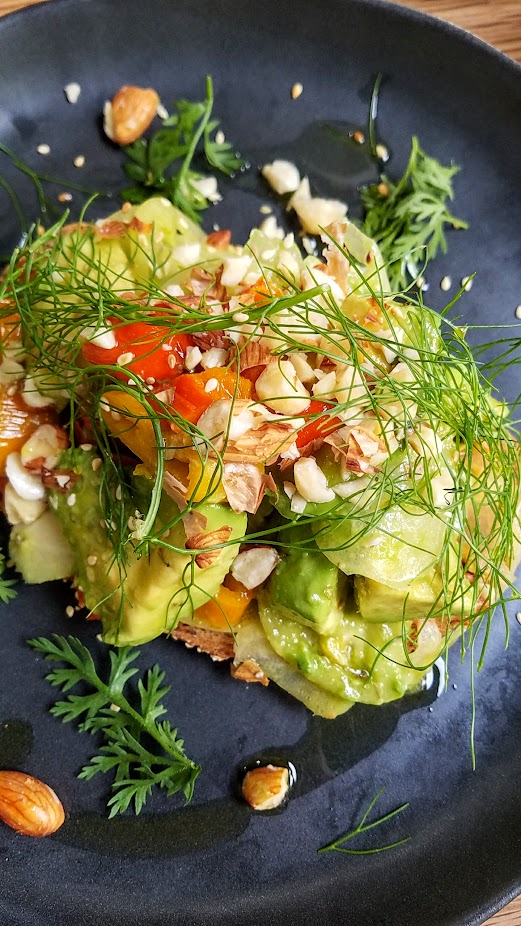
x=248, y=671
x=243, y=484
x=215, y=643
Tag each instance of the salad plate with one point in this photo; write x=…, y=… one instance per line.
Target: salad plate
x=214, y=861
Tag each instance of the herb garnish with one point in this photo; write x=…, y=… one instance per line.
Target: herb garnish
x=7, y=592
x=363, y=827
x=407, y=219
x=154, y=163
x=130, y=735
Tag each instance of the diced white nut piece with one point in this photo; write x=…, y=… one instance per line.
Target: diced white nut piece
x=108, y=120
x=442, y=489
x=27, y=485
x=101, y=337
x=187, y=254
x=310, y=481
x=298, y=504
x=280, y=389
x=271, y=229
x=10, y=371
x=224, y=417
x=207, y=187
x=402, y=373
x=215, y=357
x=282, y=176
x=252, y=567
x=350, y=385
x=72, y=92
x=425, y=441
x=304, y=370
x=44, y=149
x=44, y=445
x=265, y=787
x=315, y=277
x=21, y=510
x=289, y=265
x=325, y=385
x=292, y=453
x=314, y=212
x=192, y=357
x=33, y=397
x=173, y=289
x=234, y=269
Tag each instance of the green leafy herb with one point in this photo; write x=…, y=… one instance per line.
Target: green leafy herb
x=132, y=737
x=163, y=163
x=7, y=592
x=363, y=827
x=408, y=218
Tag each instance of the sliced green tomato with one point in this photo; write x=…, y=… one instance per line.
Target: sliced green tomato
x=251, y=643
x=397, y=550
x=347, y=664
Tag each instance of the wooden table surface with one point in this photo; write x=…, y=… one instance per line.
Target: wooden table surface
x=499, y=23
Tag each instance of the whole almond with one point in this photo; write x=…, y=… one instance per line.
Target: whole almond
x=130, y=114
x=28, y=805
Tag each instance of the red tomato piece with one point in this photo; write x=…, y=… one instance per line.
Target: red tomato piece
x=320, y=425
x=158, y=353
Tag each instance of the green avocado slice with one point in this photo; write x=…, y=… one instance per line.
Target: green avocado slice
x=145, y=596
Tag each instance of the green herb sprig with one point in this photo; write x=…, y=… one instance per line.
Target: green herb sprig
x=407, y=219
x=132, y=736
x=338, y=845
x=163, y=163
x=7, y=592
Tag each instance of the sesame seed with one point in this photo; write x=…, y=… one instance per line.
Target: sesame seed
x=79, y=161
x=172, y=361
x=219, y=137
x=127, y=357
x=455, y=687
x=71, y=500
x=296, y=91
x=150, y=380
x=115, y=708
x=119, y=493
x=518, y=617
x=96, y=463
x=446, y=284
x=382, y=152
x=358, y=137
x=466, y=283
x=64, y=197
x=309, y=244
x=265, y=209
x=211, y=385
x=69, y=610
x=86, y=447
x=116, y=416
x=72, y=92
x=517, y=312
x=44, y=149
x=92, y=559
x=126, y=207
x=162, y=111
x=240, y=317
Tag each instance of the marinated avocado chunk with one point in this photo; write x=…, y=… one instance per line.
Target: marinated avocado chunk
x=40, y=550
x=159, y=588
x=383, y=603
x=361, y=661
x=306, y=586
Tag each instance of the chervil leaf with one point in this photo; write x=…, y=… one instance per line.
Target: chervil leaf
x=7, y=592
x=407, y=219
x=138, y=750
x=163, y=163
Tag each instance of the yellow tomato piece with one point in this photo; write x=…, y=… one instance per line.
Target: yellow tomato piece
x=227, y=609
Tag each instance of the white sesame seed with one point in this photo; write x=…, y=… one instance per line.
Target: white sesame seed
x=150, y=380
x=116, y=416
x=127, y=357
x=162, y=112
x=92, y=559
x=119, y=493
x=296, y=91
x=216, y=227
x=445, y=284
x=86, y=447
x=265, y=209
x=455, y=686
x=309, y=245
x=219, y=137
x=518, y=617
x=64, y=197
x=96, y=463
x=382, y=152
x=517, y=312
x=211, y=385
x=72, y=92
x=172, y=361
x=466, y=283
x=79, y=161
x=240, y=317
x=71, y=500
x=44, y=149
x=69, y=610
x=115, y=708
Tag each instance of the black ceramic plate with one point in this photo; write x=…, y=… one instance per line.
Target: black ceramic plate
x=215, y=863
